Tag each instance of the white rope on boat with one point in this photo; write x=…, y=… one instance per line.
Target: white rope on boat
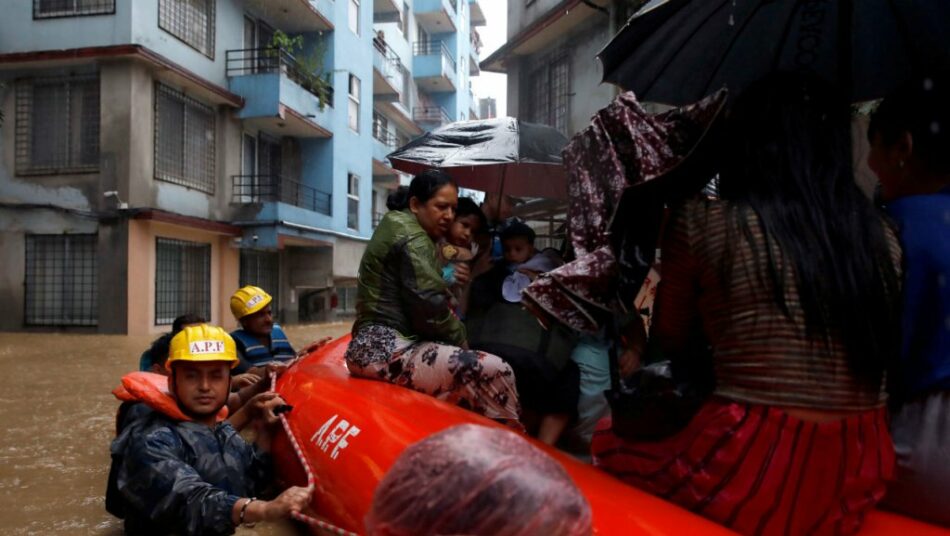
x=311, y=479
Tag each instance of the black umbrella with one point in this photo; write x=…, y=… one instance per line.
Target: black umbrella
x=678, y=51
x=501, y=155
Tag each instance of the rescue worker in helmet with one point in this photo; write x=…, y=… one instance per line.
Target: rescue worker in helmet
x=184, y=469
x=259, y=340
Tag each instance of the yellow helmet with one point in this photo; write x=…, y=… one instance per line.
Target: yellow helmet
x=248, y=300
x=202, y=343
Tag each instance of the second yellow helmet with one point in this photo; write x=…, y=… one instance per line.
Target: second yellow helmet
x=248, y=300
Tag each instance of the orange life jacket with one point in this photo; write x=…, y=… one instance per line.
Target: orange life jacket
x=152, y=389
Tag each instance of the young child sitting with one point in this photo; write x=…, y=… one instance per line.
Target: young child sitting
x=459, y=246
x=525, y=263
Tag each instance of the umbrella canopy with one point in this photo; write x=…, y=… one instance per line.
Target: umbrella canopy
x=502, y=155
x=678, y=51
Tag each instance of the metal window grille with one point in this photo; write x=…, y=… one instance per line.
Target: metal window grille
x=548, y=96
x=560, y=93
x=184, y=140
x=261, y=269
x=352, y=201
x=192, y=21
x=57, y=125
x=48, y=9
x=61, y=280
x=182, y=279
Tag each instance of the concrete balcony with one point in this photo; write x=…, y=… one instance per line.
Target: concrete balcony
x=436, y=16
x=260, y=189
x=474, y=51
x=386, y=11
x=389, y=74
x=431, y=115
x=280, y=96
x=433, y=67
x=478, y=16
x=296, y=16
x=385, y=141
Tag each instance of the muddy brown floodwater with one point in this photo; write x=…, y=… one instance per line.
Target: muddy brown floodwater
x=58, y=418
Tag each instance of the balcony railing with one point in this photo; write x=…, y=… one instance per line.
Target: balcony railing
x=385, y=136
x=476, y=40
x=248, y=189
x=272, y=60
x=430, y=114
x=433, y=48
x=392, y=67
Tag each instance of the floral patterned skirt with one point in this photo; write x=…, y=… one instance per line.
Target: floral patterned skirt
x=473, y=380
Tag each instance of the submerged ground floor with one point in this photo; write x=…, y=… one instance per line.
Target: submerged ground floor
x=54, y=453
x=133, y=273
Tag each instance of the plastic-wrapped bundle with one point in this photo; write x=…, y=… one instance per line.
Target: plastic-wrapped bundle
x=476, y=480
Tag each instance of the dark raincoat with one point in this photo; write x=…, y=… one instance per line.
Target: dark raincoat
x=184, y=477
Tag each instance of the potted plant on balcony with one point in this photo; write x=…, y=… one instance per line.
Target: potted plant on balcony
x=305, y=68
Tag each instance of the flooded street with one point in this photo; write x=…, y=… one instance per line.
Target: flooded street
x=59, y=417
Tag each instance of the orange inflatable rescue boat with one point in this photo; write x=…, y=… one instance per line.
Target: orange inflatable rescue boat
x=351, y=430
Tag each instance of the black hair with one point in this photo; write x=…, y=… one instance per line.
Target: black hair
x=398, y=199
x=158, y=351
x=517, y=229
x=468, y=207
x=788, y=161
x=427, y=183
x=922, y=108
x=422, y=187
x=161, y=346
x=179, y=323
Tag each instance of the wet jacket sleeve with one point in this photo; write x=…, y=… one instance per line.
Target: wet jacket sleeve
x=425, y=294
x=161, y=486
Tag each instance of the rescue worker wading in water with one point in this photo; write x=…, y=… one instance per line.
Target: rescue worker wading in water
x=183, y=469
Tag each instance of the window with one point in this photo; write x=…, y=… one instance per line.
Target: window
x=48, y=9
x=184, y=140
x=548, y=97
x=57, y=125
x=354, y=109
x=260, y=268
x=352, y=201
x=404, y=20
x=182, y=279
x=192, y=21
x=61, y=280
x=354, y=16
x=347, y=300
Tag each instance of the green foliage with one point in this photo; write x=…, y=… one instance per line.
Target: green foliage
x=284, y=41
x=310, y=63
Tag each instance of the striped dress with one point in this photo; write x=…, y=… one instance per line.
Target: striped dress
x=743, y=461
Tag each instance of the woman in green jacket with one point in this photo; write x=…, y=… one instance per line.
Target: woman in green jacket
x=406, y=332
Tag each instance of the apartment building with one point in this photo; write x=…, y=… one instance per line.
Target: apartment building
x=157, y=154
x=550, y=59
